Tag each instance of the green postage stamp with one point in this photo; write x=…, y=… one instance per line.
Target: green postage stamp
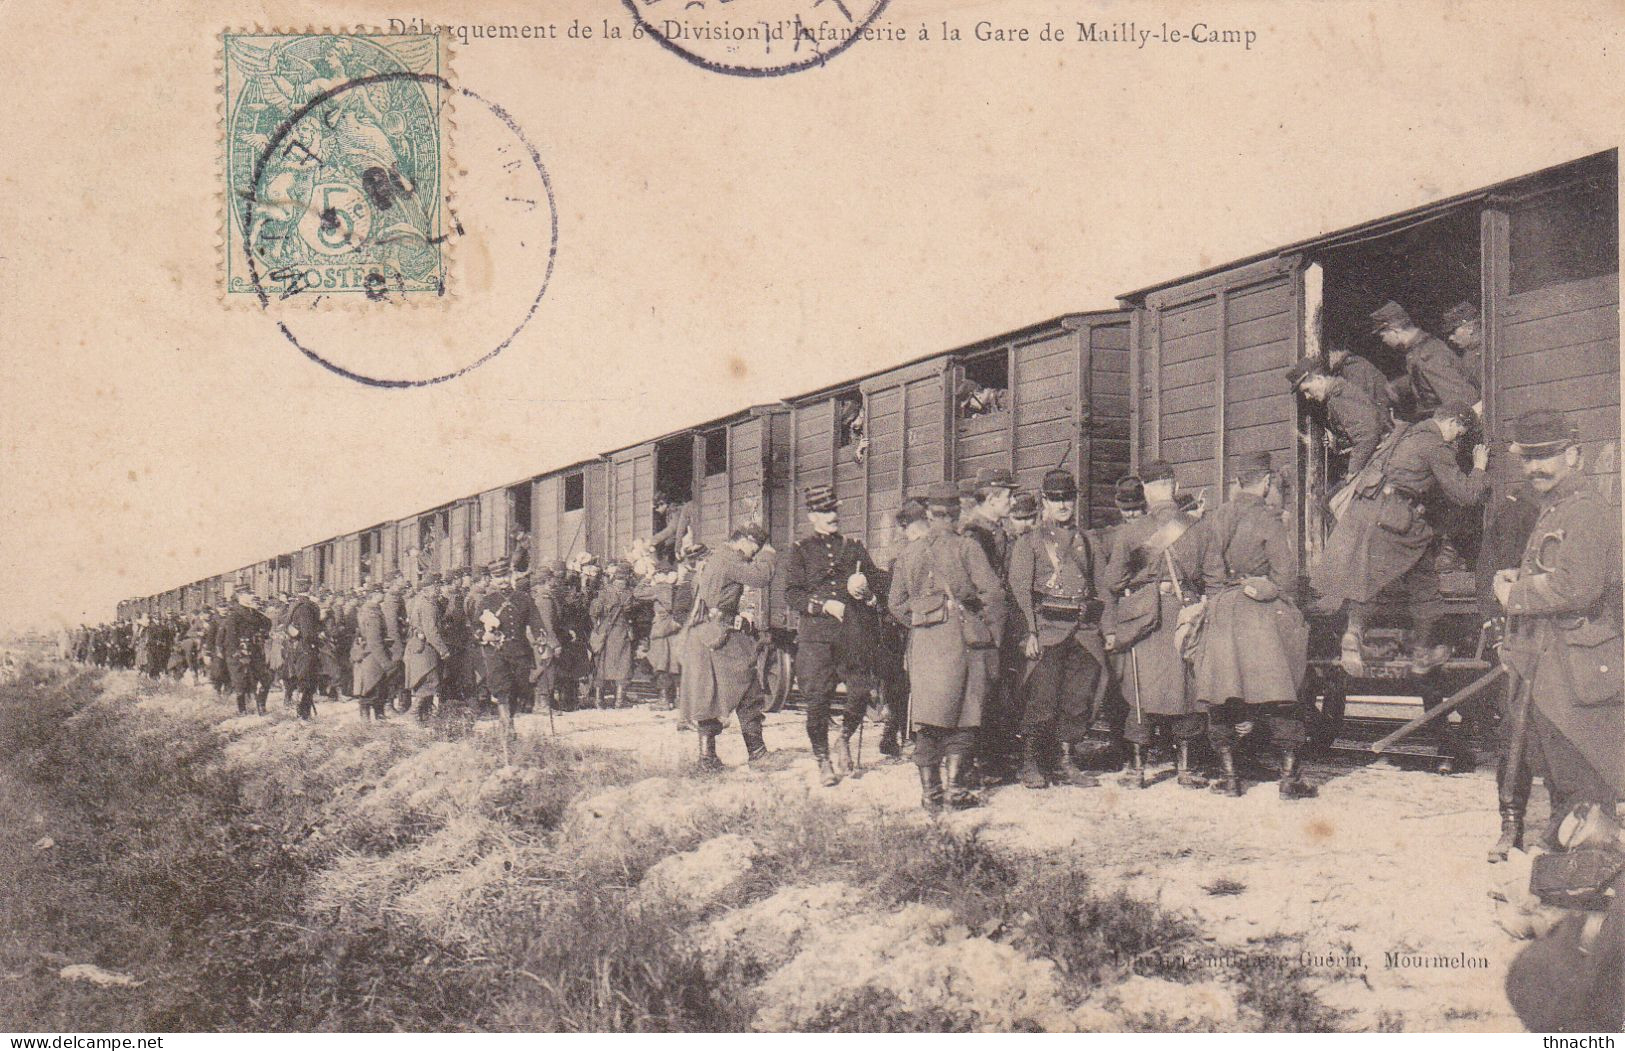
x=335, y=164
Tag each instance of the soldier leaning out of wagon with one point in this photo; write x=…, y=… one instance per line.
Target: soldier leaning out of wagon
x=1057, y=579
x=611, y=638
x=1154, y=567
x=1253, y=654
x=948, y=596
x=1384, y=547
x=719, y=652
x=826, y=582
x=1351, y=416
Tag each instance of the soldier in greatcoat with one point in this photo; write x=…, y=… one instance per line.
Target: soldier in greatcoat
x=392, y=606
x=826, y=582
x=302, y=626
x=1564, y=610
x=242, y=638
x=998, y=746
x=1434, y=376
x=219, y=673
x=946, y=594
x=372, y=666
x=1152, y=570
x=1254, y=646
x=547, y=643
x=669, y=604
x=1357, y=421
x=426, y=647
x=1058, y=578
x=1357, y=371
x=719, y=654
x=611, y=612
x=1384, y=547
x=506, y=621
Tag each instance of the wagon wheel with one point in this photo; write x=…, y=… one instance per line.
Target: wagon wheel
x=775, y=670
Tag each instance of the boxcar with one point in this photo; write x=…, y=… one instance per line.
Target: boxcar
x=1540, y=254
x=564, y=504
x=1054, y=394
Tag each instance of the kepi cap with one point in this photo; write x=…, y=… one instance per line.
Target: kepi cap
x=1129, y=494
x=1542, y=433
x=1390, y=313
x=994, y=478
x=821, y=498
x=1156, y=471
x=1059, y=485
x=1457, y=316
x=1024, y=506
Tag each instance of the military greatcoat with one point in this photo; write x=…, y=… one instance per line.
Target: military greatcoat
x=947, y=685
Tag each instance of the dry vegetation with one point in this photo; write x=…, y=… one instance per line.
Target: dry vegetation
x=256, y=875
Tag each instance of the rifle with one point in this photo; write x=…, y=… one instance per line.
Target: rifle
x=1449, y=704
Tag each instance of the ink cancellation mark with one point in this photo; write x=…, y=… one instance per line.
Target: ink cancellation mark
x=755, y=38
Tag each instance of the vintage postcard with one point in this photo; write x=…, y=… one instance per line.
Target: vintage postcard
x=811, y=516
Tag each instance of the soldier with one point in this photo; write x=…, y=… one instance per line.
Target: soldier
x=611, y=612
x=219, y=673
x=1385, y=545
x=1023, y=515
x=999, y=747
x=669, y=602
x=719, y=656
x=1358, y=372
x=392, y=605
x=1565, y=643
x=1433, y=374
x=242, y=638
x=426, y=648
x=1254, y=649
x=892, y=640
x=1351, y=415
x=454, y=670
x=547, y=643
x=677, y=530
x=946, y=594
x=967, y=497
x=507, y=619
x=826, y=577
x=1152, y=569
x=1507, y=529
x=276, y=651
x=1128, y=495
x=1461, y=326
x=302, y=624
x=1057, y=577
x=372, y=671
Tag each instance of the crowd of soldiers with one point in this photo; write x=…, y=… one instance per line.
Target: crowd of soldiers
x=1003, y=633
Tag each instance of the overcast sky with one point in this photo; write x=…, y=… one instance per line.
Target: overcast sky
x=722, y=241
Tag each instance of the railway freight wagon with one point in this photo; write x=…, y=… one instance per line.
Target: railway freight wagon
x=567, y=512
x=1054, y=394
x=1538, y=254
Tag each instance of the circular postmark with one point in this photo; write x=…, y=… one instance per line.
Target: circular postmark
x=777, y=37
x=362, y=220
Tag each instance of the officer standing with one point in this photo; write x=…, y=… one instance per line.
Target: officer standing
x=1351, y=415
x=506, y=621
x=826, y=575
x=1057, y=579
x=946, y=594
x=302, y=624
x=1385, y=545
x=1434, y=376
x=1255, y=644
x=1151, y=570
x=426, y=649
x=719, y=655
x=1566, y=642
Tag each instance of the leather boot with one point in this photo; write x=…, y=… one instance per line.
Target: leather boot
x=1067, y=770
x=1188, y=778
x=755, y=746
x=1292, y=784
x=843, y=755
x=960, y=796
x=826, y=772
x=1511, y=834
x=1031, y=773
x=931, y=788
x=1134, y=776
x=1229, y=784
x=708, y=751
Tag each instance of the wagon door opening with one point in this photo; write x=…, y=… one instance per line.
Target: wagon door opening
x=674, y=476
x=982, y=408
x=519, y=521
x=1427, y=266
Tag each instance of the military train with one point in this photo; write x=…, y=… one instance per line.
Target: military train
x=1188, y=370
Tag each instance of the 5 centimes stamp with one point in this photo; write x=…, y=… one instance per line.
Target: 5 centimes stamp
x=758, y=38
x=335, y=165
